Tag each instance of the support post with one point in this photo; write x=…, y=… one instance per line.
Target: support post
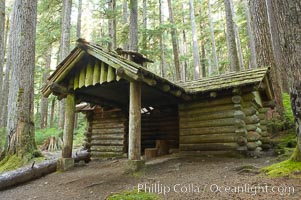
x=69, y=126
x=135, y=121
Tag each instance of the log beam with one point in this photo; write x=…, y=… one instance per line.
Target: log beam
x=135, y=121
x=69, y=126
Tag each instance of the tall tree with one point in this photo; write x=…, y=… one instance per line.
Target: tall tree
x=112, y=24
x=133, y=25
x=263, y=45
x=65, y=48
x=196, y=55
x=20, y=125
x=125, y=21
x=79, y=18
x=232, y=48
x=175, y=43
x=161, y=37
x=288, y=20
x=253, y=60
x=215, y=59
x=144, y=16
x=2, y=43
x=44, y=101
x=237, y=38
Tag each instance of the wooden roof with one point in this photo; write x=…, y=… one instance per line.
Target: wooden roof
x=225, y=81
x=104, y=76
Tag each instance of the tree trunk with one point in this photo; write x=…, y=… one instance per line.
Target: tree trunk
x=51, y=124
x=216, y=65
x=276, y=47
x=125, y=21
x=263, y=45
x=232, y=48
x=20, y=124
x=203, y=60
x=175, y=44
x=237, y=37
x=133, y=25
x=184, y=51
x=64, y=49
x=112, y=24
x=144, y=16
x=196, y=55
x=44, y=101
x=288, y=20
x=253, y=60
x=162, y=54
x=2, y=43
x=79, y=19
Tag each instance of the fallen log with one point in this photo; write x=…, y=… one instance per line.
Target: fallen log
x=25, y=174
x=35, y=171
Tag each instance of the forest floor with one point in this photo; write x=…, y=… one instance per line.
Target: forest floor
x=185, y=177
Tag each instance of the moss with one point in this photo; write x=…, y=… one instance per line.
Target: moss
x=285, y=168
x=134, y=195
x=11, y=163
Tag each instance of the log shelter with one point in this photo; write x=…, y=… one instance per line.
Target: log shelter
x=131, y=110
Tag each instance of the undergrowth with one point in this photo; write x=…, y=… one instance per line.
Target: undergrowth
x=134, y=195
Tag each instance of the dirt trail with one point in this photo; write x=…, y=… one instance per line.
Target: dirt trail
x=187, y=178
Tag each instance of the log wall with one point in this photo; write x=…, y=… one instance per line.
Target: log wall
x=160, y=125
x=107, y=133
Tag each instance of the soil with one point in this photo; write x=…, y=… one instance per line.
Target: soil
x=186, y=177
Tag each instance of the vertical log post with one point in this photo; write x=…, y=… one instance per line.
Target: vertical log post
x=67, y=161
x=135, y=121
x=135, y=163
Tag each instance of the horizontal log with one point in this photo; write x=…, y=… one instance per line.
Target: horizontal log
x=208, y=103
x=25, y=174
x=108, y=131
x=107, y=142
x=107, y=149
x=249, y=111
x=254, y=119
x=206, y=110
x=253, y=136
x=209, y=130
x=208, y=147
x=185, y=117
x=213, y=138
x=108, y=126
x=96, y=155
x=251, y=127
x=213, y=123
x=108, y=137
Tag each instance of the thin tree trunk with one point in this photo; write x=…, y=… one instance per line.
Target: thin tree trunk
x=215, y=59
x=79, y=19
x=162, y=54
x=237, y=37
x=144, y=16
x=44, y=101
x=184, y=52
x=232, y=48
x=253, y=60
x=175, y=44
x=133, y=25
x=20, y=125
x=203, y=60
x=196, y=55
x=125, y=21
x=112, y=24
x=64, y=49
x=263, y=44
x=2, y=43
x=52, y=113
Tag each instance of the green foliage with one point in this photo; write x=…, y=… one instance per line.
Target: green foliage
x=288, y=113
x=2, y=138
x=13, y=162
x=42, y=134
x=134, y=195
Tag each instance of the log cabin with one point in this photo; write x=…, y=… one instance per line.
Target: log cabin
x=132, y=111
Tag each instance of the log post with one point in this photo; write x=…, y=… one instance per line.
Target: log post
x=135, y=121
x=69, y=126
